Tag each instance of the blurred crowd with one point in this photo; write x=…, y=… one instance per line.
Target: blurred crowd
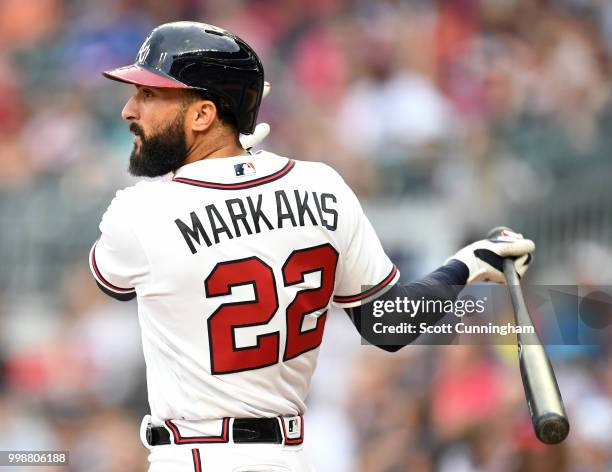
x=478, y=107
x=462, y=409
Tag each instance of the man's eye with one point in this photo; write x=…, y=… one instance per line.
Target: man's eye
x=147, y=94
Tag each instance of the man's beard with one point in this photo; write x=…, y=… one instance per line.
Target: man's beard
x=161, y=153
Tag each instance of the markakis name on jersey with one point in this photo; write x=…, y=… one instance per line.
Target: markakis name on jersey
x=237, y=217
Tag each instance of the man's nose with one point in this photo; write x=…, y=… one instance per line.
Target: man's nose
x=130, y=110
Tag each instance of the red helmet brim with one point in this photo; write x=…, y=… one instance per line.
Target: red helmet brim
x=137, y=75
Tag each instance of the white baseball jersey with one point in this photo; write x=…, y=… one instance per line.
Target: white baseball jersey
x=235, y=264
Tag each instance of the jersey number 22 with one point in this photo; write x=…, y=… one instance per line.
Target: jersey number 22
x=225, y=356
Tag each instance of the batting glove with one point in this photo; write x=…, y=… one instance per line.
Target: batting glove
x=484, y=258
x=262, y=130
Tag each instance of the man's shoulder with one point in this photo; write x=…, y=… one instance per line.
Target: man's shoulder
x=320, y=173
x=320, y=170
x=143, y=190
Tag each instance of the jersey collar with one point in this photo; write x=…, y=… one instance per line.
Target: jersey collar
x=235, y=173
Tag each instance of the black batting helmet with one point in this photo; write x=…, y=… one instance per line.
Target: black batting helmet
x=186, y=54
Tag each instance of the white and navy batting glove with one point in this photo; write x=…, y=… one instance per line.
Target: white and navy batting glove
x=262, y=130
x=484, y=258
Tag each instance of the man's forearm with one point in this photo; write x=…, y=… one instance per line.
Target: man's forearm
x=443, y=284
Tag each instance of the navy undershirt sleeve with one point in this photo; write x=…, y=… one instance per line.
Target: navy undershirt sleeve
x=444, y=283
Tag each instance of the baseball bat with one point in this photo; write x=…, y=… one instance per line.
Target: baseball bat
x=544, y=400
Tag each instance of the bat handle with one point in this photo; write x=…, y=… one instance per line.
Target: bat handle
x=512, y=277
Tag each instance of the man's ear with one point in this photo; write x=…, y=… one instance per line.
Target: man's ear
x=200, y=115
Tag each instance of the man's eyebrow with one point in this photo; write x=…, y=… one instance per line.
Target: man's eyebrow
x=150, y=90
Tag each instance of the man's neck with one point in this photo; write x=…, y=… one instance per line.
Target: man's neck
x=216, y=152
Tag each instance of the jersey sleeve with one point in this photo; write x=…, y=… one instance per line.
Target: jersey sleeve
x=365, y=270
x=117, y=258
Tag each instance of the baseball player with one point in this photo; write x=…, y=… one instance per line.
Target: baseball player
x=237, y=260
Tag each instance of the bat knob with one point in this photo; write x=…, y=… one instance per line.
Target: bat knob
x=552, y=428
x=497, y=232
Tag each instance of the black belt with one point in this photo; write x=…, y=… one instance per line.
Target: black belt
x=245, y=430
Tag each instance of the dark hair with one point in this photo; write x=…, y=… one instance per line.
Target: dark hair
x=224, y=112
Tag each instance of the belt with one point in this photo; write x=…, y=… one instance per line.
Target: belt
x=245, y=430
